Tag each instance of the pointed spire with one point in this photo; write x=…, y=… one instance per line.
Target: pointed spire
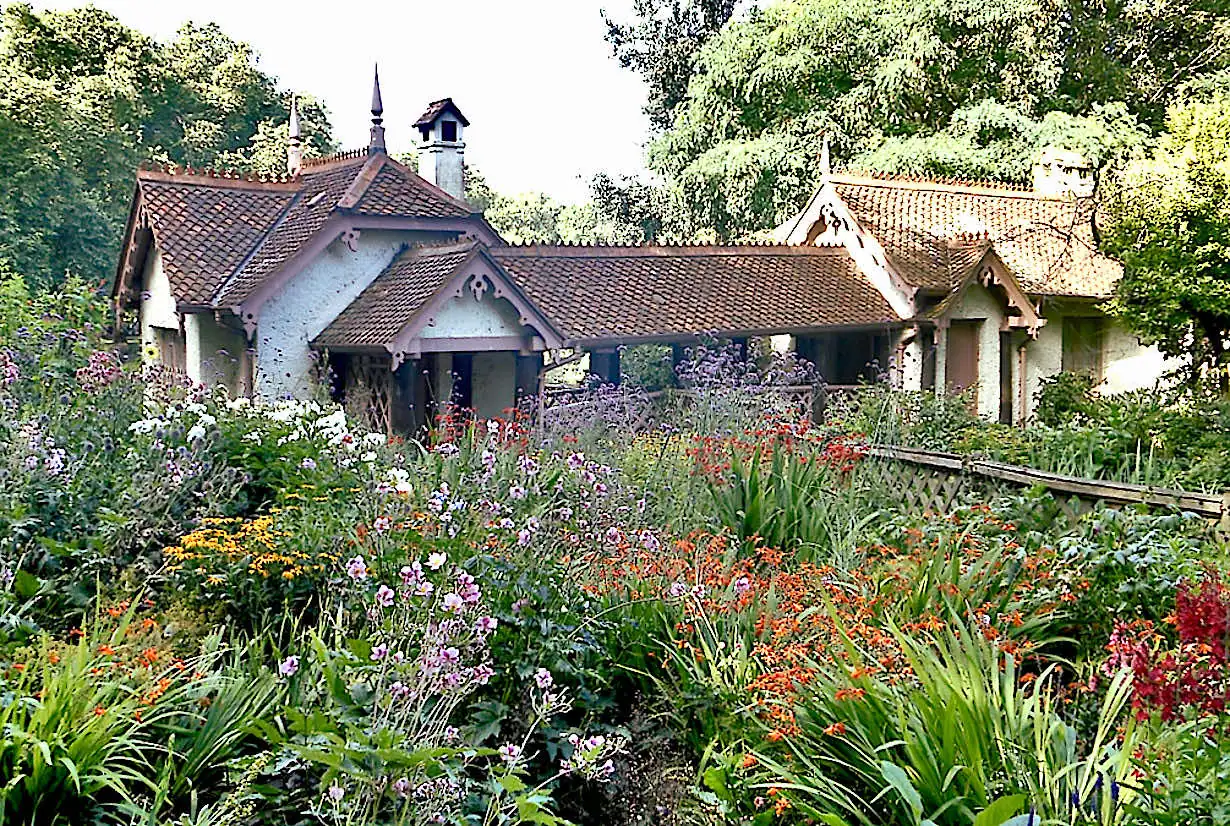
x=377, y=142
x=294, y=146
x=825, y=164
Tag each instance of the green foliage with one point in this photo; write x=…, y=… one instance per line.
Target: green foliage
x=1063, y=398
x=1187, y=767
x=1171, y=228
x=85, y=99
x=662, y=45
x=647, y=365
x=793, y=502
x=536, y=218
x=1174, y=438
x=1132, y=562
x=996, y=141
x=963, y=736
x=935, y=88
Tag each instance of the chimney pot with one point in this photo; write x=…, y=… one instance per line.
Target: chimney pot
x=1063, y=172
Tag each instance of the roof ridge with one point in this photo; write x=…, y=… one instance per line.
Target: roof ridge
x=647, y=250
x=256, y=249
x=444, y=247
x=419, y=180
x=942, y=184
x=362, y=182
x=209, y=176
x=325, y=160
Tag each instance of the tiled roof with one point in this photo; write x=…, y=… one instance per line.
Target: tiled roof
x=221, y=237
x=1046, y=242
x=395, y=191
x=321, y=189
x=628, y=293
x=436, y=108
x=207, y=227
x=391, y=301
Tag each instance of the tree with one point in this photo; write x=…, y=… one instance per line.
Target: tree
x=84, y=99
x=536, y=218
x=1170, y=226
x=935, y=86
x=662, y=44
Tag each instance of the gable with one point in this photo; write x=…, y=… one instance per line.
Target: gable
x=227, y=238
x=445, y=297
x=1046, y=242
x=205, y=228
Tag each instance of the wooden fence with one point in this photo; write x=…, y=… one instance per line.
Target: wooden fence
x=932, y=481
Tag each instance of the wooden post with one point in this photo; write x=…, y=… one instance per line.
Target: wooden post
x=605, y=365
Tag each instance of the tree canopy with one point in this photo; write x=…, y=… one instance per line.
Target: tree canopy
x=661, y=43
x=1170, y=225
x=939, y=87
x=84, y=99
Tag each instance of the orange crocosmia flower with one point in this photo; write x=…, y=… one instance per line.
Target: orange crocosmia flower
x=836, y=729
x=106, y=650
x=99, y=711
x=150, y=655
x=849, y=693
x=53, y=657
x=749, y=760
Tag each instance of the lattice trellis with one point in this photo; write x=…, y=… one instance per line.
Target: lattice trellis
x=921, y=482
x=922, y=489
x=369, y=390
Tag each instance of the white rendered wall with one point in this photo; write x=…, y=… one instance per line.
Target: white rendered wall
x=976, y=303
x=909, y=371
x=157, y=306
x=494, y=383
x=1129, y=365
x=1043, y=359
x=214, y=351
x=1126, y=363
x=306, y=304
x=465, y=317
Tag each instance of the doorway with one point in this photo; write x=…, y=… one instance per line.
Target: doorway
x=961, y=359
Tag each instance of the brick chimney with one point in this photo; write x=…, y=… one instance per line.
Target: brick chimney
x=442, y=147
x=1063, y=172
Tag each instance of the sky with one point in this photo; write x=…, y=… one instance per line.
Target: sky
x=547, y=104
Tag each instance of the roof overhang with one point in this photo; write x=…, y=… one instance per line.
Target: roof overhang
x=685, y=337
x=990, y=271
x=349, y=227
x=478, y=274
x=138, y=239
x=828, y=221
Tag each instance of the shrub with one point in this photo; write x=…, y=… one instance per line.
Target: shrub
x=1063, y=398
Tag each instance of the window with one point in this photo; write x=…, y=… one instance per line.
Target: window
x=448, y=130
x=1082, y=346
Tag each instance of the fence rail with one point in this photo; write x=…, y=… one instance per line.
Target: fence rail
x=934, y=480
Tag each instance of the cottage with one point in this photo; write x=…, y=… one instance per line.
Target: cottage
x=387, y=277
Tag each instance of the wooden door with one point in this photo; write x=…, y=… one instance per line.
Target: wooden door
x=961, y=361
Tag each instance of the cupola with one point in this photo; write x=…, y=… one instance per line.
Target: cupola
x=442, y=146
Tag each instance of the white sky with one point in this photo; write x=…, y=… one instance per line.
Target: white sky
x=547, y=103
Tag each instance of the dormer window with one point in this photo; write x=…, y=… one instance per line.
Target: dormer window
x=448, y=130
